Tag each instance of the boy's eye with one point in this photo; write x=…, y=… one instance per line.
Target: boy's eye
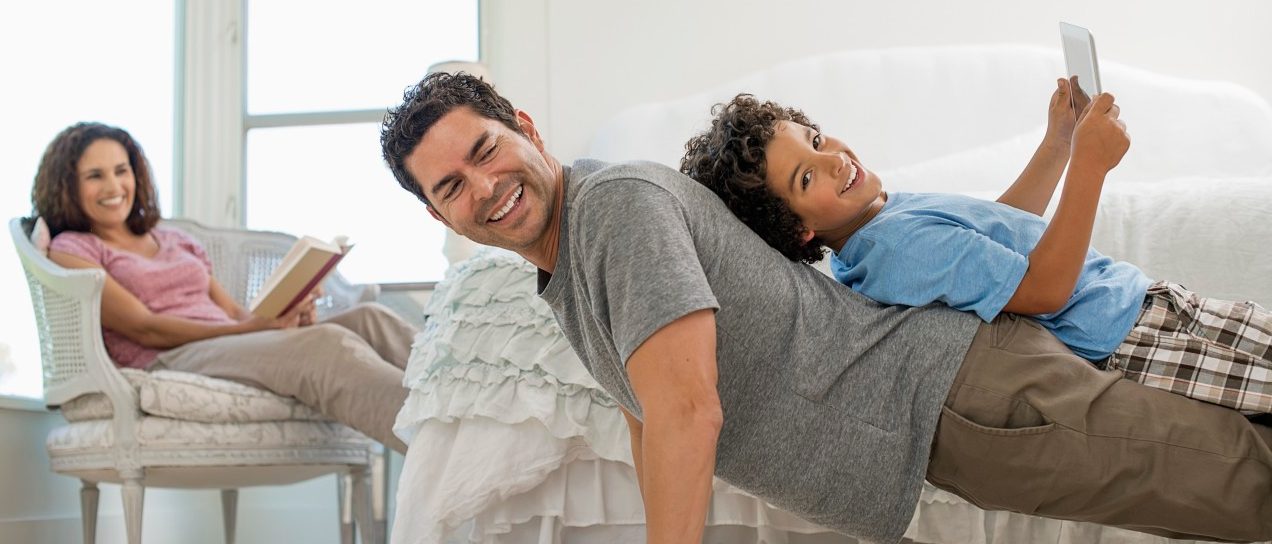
x=817, y=141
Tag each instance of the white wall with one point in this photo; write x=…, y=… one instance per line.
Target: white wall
x=573, y=63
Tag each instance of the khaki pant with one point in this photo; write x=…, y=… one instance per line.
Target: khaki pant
x=1029, y=427
x=349, y=367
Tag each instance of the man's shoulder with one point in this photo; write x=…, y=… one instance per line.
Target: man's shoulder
x=595, y=176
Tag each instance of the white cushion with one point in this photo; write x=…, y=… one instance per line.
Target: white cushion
x=982, y=170
x=157, y=432
x=40, y=236
x=194, y=397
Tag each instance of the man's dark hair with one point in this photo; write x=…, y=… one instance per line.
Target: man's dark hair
x=729, y=159
x=55, y=193
x=427, y=102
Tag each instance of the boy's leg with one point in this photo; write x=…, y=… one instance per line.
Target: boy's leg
x=1029, y=427
x=1213, y=350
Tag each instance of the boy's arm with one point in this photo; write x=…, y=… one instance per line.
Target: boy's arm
x=1033, y=190
x=673, y=374
x=1099, y=143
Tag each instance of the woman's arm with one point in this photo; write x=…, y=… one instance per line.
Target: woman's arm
x=122, y=312
x=227, y=302
x=1032, y=191
x=1099, y=144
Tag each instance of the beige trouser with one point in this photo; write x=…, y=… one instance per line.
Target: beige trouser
x=349, y=367
x=1030, y=427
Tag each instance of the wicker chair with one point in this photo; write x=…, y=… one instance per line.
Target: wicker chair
x=175, y=429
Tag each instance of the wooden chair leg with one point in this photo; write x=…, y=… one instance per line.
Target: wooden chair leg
x=229, y=513
x=361, y=496
x=134, y=497
x=88, y=510
x=344, y=496
x=380, y=473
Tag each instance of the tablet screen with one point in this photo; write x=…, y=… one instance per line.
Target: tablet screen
x=1081, y=64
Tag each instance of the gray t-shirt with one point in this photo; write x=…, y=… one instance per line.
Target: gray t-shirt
x=830, y=399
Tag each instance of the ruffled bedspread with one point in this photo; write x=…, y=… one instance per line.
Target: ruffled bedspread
x=511, y=440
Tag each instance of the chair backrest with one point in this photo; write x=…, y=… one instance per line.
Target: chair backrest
x=243, y=259
x=68, y=321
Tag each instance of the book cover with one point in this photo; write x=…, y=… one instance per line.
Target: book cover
x=302, y=269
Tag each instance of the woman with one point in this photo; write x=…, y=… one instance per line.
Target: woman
x=161, y=308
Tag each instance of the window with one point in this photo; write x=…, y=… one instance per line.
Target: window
x=318, y=83
x=69, y=61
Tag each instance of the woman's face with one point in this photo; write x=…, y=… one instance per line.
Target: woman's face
x=106, y=184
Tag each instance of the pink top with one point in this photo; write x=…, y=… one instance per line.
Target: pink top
x=176, y=282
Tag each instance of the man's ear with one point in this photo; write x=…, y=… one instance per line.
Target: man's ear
x=807, y=235
x=438, y=217
x=527, y=127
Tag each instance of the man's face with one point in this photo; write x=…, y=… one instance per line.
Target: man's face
x=485, y=181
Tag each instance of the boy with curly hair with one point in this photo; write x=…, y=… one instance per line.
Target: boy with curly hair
x=803, y=191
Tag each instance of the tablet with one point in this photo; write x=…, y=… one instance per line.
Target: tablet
x=1080, y=64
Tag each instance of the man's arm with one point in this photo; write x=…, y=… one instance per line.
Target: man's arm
x=673, y=374
x=635, y=429
x=1057, y=260
x=1033, y=190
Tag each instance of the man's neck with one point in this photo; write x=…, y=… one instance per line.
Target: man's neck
x=544, y=253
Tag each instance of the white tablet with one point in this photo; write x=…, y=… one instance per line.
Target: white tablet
x=1080, y=63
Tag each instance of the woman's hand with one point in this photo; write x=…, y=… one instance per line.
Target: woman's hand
x=309, y=309
x=289, y=320
x=1100, y=139
x=1061, y=118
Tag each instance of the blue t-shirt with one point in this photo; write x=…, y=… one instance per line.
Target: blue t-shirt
x=971, y=255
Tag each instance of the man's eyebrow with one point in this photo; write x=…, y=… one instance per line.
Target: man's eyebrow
x=472, y=154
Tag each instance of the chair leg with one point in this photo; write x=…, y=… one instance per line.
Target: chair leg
x=134, y=496
x=380, y=473
x=88, y=510
x=229, y=512
x=362, y=503
x=344, y=492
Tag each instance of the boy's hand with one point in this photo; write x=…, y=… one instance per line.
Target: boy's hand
x=1060, y=117
x=1100, y=140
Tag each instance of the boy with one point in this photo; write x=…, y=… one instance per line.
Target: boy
x=801, y=190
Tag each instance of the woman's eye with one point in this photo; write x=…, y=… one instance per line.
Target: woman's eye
x=804, y=181
x=817, y=141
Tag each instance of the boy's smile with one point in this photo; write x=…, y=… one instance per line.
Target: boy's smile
x=822, y=181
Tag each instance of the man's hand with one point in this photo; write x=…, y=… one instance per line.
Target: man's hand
x=1060, y=117
x=1100, y=140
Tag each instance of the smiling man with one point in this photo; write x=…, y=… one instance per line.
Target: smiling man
x=730, y=360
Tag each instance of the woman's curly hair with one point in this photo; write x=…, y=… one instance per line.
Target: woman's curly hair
x=729, y=159
x=55, y=193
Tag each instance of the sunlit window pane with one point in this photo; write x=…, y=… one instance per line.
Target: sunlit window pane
x=329, y=180
x=304, y=56
x=68, y=61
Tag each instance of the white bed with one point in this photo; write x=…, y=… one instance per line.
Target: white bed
x=510, y=439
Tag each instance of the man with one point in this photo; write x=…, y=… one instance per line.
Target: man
x=727, y=359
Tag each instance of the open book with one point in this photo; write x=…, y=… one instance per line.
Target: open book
x=302, y=269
